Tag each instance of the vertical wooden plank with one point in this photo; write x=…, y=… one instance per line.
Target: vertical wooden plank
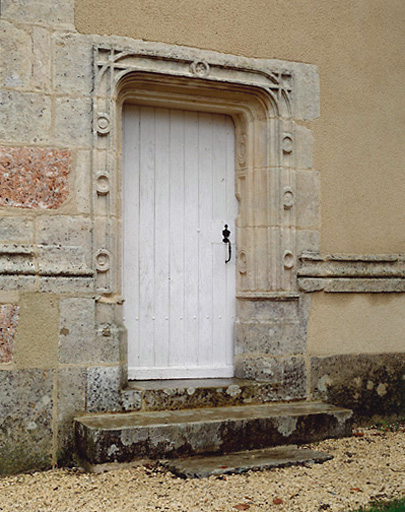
x=205, y=253
x=176, y=214
x=161, y=239
x=146, y=235
x=219, y=218
x=232, y=212
x=191, y=245
x=130, y=230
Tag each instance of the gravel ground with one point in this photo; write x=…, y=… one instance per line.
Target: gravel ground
x=369, y=465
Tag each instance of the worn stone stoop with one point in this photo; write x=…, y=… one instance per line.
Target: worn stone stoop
x=127, y=436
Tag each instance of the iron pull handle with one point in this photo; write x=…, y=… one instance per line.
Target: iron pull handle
x=225, y=234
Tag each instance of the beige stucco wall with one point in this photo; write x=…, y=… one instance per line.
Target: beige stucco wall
x=356, y=324
x=359, y=146
x=358, y=48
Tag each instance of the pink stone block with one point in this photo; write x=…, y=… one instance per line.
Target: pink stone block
x=34, y=177
x=8, y=326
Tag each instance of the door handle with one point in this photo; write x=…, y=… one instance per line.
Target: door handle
x=225, y=234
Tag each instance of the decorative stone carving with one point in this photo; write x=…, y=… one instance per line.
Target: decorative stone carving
x=287, y=143
x=103, y=183
x=103, y=124
x=200, y=68
x=241, y=150
x=103, y=257
x=340, y=273
x=288, y=198
x=242, y=261
x=288, y=259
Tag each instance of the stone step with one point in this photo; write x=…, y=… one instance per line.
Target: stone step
x=240, y=462
x=122, y=437
x=197, y=393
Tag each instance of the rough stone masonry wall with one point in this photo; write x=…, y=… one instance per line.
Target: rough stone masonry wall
x=55, y=355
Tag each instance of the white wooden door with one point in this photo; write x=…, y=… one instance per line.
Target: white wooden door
x=178, y=193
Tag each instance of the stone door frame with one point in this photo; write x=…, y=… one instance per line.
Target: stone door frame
x=261, y=98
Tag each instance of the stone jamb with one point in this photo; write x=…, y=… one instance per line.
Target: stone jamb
x=259, y=95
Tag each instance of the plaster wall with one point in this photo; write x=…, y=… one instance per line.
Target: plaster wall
x=358, y=48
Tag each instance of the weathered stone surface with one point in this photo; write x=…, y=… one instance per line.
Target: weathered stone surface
x=17, y=230
x=370, y=384
x=72, y=64
x=25, y=420
x=287, y=375
x=308, y=199
x=123, y=437
x=34, y=177
x=37, y=336
x=71, y=385
x=103, y=389
x=83, y=181
x=307, y=241
x=77, y=331
x=194, y=393
x=15, y=70
x=63, y=230
x=349, y=273
x=55, y=260
x=73, y=121
x=48, y=12
x=304, y=141
x=66, y=284
x=26, y=283
x=41, y=66
x=240, y=462
x=275, y=337
x=24, y=117
x=8, y=326
x=107, y=347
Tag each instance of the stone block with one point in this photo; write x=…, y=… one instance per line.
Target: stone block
x=47, y=12
x=41, y=65
x=83, y=181
x=73, y=121
x=372, y=385
x=8, y=327
x=71, y=389
x=265, y=310
x=286, y=374
x=34, y=177
x=66, y=231
x=276, y=337
x=72, y=64
x=15, y=70
x=16, y=230
x=308, y=241
x=37, y=336
x=308, y=199
x=108, y=342
x=26, y=405
x=304, y=141
x=103, y=389
x=24, y=117
x=306, y=91
x=26, y=283
x=55, y=260
x=77, y=331
x=66, y=284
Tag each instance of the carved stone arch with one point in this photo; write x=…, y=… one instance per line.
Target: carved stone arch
x=260, y=100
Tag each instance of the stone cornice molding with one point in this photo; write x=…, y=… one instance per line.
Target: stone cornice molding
x=352, y=273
